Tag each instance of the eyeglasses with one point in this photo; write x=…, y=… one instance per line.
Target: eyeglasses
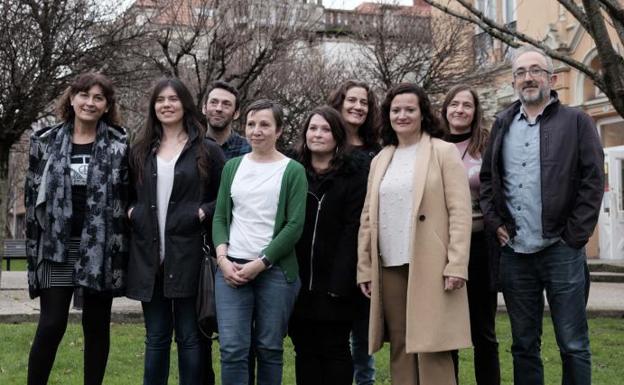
x=533, y=72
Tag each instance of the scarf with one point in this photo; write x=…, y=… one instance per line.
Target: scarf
x=96, y=232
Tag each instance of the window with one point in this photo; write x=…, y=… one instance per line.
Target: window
x=488, y=7
x=590, y=91
x=509, y=11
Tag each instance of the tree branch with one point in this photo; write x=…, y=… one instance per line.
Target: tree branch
x=612, y=63
x=508, y=36
x=576, y=11
x=616, y=13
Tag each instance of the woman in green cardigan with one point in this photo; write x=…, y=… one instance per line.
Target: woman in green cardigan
x=258, y=220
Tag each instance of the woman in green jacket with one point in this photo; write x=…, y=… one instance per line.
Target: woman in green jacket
x=258, y=220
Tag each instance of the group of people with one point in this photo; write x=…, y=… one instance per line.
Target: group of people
x=385, y=222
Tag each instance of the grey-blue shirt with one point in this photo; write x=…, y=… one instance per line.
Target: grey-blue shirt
x=522, y=183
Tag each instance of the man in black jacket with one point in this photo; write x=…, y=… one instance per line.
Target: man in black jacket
x=541, y=189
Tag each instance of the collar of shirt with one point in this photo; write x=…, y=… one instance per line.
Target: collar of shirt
x=523, y=115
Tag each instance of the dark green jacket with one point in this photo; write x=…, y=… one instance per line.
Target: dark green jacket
x=289, y=218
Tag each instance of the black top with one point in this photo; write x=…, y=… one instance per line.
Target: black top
x=327, y=249
x=458, y=138
x=368, y=152
x=80, y=158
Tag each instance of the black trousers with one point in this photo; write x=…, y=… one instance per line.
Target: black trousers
x=96, y=316
x=482, y=302
x=322, y=353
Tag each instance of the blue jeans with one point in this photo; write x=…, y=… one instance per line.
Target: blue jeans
x=161, y=316
x=560, y=270
x=363, y=363
x=266, y=302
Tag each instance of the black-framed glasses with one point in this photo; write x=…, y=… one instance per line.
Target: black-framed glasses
x=533, y=72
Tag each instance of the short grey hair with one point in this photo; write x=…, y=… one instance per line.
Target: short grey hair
x=529, y=48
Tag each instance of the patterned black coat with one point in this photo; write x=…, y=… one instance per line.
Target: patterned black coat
x=104, y=243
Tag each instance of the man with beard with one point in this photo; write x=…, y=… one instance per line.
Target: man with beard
x=221, y=108
x=541, y=190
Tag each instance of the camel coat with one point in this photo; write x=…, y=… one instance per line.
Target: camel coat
x=437, y=320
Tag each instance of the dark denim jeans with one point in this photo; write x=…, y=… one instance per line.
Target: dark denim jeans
x=161, y=316
x=560, y=270
x=266, y=302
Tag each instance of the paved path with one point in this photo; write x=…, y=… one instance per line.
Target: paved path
x=16, y=305
x=605, y=299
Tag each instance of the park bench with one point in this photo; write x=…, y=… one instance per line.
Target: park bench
x=13, y=249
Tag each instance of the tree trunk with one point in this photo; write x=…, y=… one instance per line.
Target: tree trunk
x=4, y=191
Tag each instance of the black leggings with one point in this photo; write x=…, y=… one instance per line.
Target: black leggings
x=96, y=315
x=322, y=354
x=482, y=303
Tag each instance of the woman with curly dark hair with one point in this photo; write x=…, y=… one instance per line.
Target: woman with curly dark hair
x=359, y=109
x=413, y=243
x=76, y=195
x=357, y=104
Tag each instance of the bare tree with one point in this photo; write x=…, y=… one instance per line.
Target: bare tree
x=300, y=82
x=42, y=44
x=596, y=17
x=204, y=40
x=18, y=161
x=400, y=45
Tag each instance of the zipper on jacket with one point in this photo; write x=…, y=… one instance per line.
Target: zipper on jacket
x=318, y=211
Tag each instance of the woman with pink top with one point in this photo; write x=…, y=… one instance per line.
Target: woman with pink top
x=461, y=114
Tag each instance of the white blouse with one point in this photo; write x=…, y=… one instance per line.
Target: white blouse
x=395, y=207
x=164, y=186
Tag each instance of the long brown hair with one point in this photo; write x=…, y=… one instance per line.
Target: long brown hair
x=479, y=136
x=149, y=137
x=83, y=83
x=369, y=130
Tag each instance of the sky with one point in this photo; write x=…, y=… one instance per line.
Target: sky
x=335, y=4
x=350, y=4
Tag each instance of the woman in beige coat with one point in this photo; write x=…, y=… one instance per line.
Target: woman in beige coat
x=414, y=241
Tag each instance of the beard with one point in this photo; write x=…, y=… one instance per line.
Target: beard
x=219, y=125
x=532, y=99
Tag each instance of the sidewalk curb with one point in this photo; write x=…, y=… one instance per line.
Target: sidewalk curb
x=74, y=317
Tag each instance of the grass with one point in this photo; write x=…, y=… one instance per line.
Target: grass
x=126, y=357
x=16, y=265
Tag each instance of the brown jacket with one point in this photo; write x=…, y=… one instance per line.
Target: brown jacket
x=437, y=320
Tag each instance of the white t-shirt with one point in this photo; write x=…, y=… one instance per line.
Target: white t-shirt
x=255, y=196
x=395, y=207
x=164, y=185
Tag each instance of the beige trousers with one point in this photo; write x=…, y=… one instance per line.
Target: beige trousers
x=408, y=368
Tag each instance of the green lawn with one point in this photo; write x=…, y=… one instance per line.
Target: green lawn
x=126, y=356
x=16, y=265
